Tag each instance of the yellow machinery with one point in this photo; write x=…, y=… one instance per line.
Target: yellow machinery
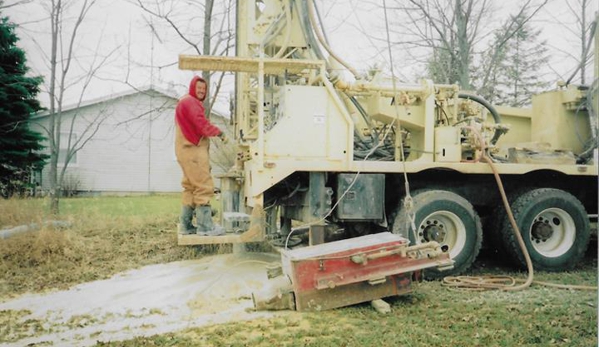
x=332, y=157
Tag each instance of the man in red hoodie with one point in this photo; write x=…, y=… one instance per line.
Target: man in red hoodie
x=193, y=131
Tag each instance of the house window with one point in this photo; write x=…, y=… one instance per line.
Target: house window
x=63, y=150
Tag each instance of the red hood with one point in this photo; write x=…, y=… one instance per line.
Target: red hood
x=192, y=87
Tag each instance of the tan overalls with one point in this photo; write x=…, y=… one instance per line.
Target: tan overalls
x=198, y=187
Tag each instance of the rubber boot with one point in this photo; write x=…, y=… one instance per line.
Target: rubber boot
x=185, y=225
x=205, y=225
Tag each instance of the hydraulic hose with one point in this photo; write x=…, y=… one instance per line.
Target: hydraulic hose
x=592, y=143
x=281, y=51
x=323, y=42
x=490, y=108
x=302, y=8
x=506, y=283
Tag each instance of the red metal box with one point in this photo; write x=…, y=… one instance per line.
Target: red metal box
x=351, y=271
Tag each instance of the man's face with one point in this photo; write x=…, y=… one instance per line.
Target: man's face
x=200, y=90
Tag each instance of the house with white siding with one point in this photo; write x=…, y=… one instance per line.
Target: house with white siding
x=127, y=144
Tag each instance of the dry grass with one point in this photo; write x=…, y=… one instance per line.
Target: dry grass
x=14, y=212
x=110, y=235
x=107, y=236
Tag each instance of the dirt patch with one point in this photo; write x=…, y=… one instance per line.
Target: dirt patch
x=152, y=300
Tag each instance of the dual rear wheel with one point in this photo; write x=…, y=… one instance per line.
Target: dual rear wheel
x=553, y=224
x=447, y=218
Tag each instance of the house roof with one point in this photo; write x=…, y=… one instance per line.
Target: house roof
x=107, y=98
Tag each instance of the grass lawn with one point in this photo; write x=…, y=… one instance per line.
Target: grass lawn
x=113, y=234
x=432, y=315
x=108, y=235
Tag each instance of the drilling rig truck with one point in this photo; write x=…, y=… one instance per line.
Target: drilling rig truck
x=335, y=158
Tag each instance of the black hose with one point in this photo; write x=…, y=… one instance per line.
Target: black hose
x=307, y=30
x=361, y=110
x=490, y=108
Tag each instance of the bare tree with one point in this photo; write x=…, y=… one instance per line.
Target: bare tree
x=62, y=77
x=583, y=31
x=216, y=38
x=13, y=4
x=455, y=33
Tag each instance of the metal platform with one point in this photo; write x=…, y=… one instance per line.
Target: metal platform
x=252, y=235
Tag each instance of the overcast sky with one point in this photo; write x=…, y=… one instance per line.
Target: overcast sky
x=352, y=25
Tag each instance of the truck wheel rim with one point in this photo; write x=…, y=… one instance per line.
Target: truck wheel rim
x=552, y=232
x=446, y=228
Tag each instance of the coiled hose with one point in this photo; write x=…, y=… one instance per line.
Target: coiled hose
x=506, y=283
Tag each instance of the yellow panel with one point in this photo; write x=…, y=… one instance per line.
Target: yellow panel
x=554, y=123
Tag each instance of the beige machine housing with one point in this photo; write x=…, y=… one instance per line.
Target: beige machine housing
x=302, y=127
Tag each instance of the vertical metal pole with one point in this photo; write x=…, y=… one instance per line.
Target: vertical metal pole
x=260, y=110
x=316, y=234
x=317, y=207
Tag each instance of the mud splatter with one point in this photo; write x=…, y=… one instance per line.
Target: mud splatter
x=152, y=300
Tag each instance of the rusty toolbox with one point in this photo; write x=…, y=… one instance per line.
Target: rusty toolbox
x=347, y=272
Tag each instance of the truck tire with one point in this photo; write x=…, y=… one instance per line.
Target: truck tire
x=447, y=218
x=554, y=226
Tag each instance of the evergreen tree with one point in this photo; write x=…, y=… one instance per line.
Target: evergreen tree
x=487, y=79
x=19, y=146
x=519, y=77
x=441, y=67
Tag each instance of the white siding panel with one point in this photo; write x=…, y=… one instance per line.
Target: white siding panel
x=132, y=150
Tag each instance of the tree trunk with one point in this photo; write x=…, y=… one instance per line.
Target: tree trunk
x=463, y=47
x=207, y=50
x=54, y=188
x=54, y=139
